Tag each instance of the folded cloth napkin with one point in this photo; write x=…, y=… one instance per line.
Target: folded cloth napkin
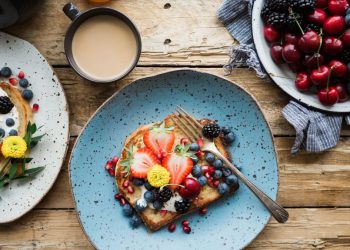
x=315, y=131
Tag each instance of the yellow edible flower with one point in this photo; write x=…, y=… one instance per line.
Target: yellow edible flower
x=13, y=147
x=158, y=176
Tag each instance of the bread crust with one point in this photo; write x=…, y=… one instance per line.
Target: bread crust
x=153, y=219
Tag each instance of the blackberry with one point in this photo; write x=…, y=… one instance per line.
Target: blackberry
x=312, y=26
x=277, y=20
x=182, y=206
x=211, y=130
x=345, y=56
x=165, y=194
x=274, y=6
x=266, y=12
x=292, y=22
x=5, y=105
x=303, y=6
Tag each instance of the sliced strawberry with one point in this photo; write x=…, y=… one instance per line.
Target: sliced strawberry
x=142, y=161
x=179, y=164
x=159, y=140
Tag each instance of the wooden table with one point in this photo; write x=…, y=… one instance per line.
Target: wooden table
x=315, y=188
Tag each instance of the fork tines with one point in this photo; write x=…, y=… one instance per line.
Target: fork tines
x=188, y=125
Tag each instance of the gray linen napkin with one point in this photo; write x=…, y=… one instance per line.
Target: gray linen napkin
x=315, y=131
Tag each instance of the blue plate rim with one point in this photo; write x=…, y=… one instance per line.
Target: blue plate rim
x=155, y=75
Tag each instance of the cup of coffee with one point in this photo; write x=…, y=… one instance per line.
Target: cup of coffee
x=101, y=44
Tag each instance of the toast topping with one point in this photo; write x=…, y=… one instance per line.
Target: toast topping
x=9, y=118
x=158, y=176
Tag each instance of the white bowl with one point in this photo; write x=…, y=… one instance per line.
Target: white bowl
x=282, y=75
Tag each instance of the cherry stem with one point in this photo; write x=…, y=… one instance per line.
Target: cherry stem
x=329, y=76
x=296, y=20
x=319, y=49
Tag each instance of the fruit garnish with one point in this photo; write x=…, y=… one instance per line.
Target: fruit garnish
x=179, y=164
x=191, y=188
x=160, y=140
x=158, y=176
x=138, y=163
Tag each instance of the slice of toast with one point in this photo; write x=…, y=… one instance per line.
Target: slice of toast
x=154, y=219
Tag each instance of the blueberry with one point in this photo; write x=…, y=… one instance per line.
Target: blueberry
x=230, y=138
x=217, y=164
x=13, y=132
x=141, y=205
x=135, y=221
x=27, y=94
x=218, y=174
x=149, y=196
x=210, y=158
x=2, y=133
x=157, y=205
x=202, y=180
x=223, y=188
x=225, y=130
x=127, y=210
x=148, y=186
x=196, y=171
x=138, y=182
x=232, y=180
x=194, y=159
x=226, y=172
x=347, y=20
x=6, y=72
x=194, y=147
x=348, y=11
x=10, y=122
x=23, y=83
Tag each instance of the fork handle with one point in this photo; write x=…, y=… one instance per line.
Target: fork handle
x=277, y=211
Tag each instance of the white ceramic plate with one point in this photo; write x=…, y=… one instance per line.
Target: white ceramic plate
x=21, y=196
x=280, y=74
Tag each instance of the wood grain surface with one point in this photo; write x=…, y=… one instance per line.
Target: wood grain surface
x=314, y=187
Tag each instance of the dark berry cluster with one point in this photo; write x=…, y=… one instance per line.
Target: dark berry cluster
x=182, y=206
x=211, y=130
x=5, y=104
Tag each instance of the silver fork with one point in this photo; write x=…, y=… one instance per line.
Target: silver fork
x=193, y=130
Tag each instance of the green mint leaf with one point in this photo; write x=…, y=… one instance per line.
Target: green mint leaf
x=13, y=171
x=33, y=171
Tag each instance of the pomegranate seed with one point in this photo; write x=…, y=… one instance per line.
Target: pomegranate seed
x=163, y=153
x=21, y=75
x=205, y=169
x=211, y=170
x=111, y=172
x=125, y=183
x=185, y=223
x=200, y=154
x=216, y=183
x=163, y=212
x=171, y=227
x=131, y=190
x=13, y=81
x=123, y=174
x=35, y=107
x=118, y=196
x=115, y=160
x=203, y=211
x=184, y=141
x=207, y=175
x=200, y=142
x=109, y=165
x=122, y=201
x=187, y=229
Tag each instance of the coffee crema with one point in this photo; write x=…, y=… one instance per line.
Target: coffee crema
x=104, y=47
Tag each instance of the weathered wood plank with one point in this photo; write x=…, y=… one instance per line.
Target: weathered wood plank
x=305, y=180
x=84, y=98
x=195, y=35
x=306, y=229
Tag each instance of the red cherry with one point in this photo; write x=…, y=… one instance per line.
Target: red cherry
x=346, y=38
x=321, y=4
x=303, y=82
x=290, y=38
x=319, y=76
x=191, y=188
x=332, y=46
x=328, y=96
x=271, y=34
x=334, y=25
x=309, y=42
x=171, y=227
x=339, y=68
x=187, y=230
x=317, y=17
x=338, y=7
x=343, y=95
x=291, y=53
x=276, y=54
x=313, y=61
x=295, y=67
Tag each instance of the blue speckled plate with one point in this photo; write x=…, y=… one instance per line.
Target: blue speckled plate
x=231, y=223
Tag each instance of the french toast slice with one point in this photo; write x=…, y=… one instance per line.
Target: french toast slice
x=154, y=219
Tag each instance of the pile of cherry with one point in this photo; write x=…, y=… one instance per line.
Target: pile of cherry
x=317, y=56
